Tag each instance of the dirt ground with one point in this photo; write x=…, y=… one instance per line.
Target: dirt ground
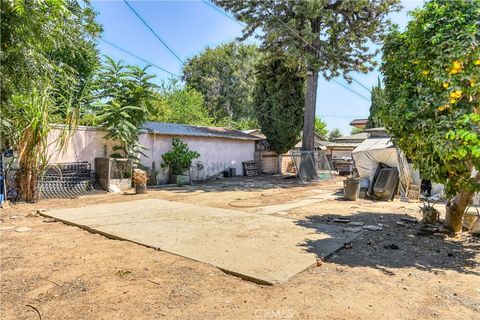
x=64, y=272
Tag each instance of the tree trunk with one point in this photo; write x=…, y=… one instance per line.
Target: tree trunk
x=455, y=210
x=28, y=183
x=308, y=139
x=279, y=163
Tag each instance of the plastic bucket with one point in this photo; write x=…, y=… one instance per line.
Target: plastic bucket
x=364, y=184
x=351, y=189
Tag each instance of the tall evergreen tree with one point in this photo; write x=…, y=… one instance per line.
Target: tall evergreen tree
x=278, y=98
x=330, y=37
x=379, y=101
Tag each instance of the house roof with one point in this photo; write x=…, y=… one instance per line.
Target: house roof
x=346, y=145
x=358, y=137
x=359, y=123
x=377, y=132
x=250, y=131
x=175, y=129
x=317, y=144
x=255, y=132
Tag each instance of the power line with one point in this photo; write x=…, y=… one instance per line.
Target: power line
x=223, y=12
x=175, y=75
x=269, y=116
x=151, y=30
x=266, y=115
x=154, y=65
x=243, y=25
x=339, y=116
x=351, y=90
x=139, y=58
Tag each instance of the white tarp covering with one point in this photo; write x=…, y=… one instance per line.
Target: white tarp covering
x=371, y=152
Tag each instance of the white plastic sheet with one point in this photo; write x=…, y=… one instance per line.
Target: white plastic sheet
x=371, y=152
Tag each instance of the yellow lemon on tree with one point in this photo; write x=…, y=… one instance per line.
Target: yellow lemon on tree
x=457, y=65
x=445, y=85
x=456, y=94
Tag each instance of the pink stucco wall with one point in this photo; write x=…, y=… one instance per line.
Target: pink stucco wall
x=216, y=154
x=85, y=144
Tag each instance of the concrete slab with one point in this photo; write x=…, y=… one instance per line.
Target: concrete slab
x=261, y=248
x=322, y=195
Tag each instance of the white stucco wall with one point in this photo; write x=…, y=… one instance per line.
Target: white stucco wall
x=216, y=154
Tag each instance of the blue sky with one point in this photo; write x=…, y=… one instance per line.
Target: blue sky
x=190, y=26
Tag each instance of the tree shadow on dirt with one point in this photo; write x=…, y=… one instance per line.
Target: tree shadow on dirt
x=398, y=246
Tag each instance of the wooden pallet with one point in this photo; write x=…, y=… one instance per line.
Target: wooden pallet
x=250, y=168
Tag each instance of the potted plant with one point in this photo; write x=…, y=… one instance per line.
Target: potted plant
x=179, y=160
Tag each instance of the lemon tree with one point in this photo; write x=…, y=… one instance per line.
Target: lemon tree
x=432, y=81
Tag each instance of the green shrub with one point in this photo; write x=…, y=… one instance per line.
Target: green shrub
x=180, y=158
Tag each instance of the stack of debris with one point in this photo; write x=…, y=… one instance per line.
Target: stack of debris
x=250, y=168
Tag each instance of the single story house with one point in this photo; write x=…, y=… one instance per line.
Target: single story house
x=342, y=147
x=219, y=148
